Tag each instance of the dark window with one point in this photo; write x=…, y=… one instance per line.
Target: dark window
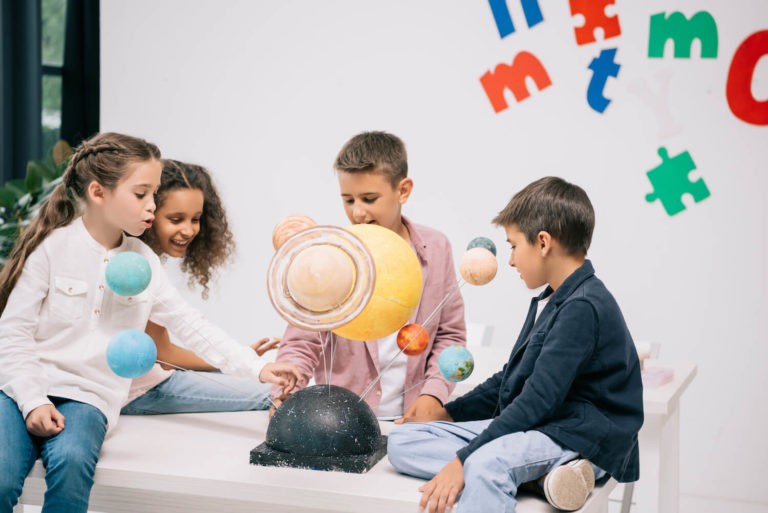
x=49, y=87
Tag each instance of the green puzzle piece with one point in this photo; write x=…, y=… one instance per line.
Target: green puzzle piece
x=670, y=182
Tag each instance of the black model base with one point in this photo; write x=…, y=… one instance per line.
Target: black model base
x=354, y=464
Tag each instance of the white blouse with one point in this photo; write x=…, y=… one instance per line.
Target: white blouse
x=61, y=315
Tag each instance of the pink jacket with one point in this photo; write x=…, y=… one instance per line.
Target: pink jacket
x=356, y=364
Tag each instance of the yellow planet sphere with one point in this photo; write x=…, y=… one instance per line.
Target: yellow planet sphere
x=478, y=266
x=320, y=277
x=397, y=288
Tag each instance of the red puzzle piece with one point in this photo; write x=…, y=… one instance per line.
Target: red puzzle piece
x=594, y=17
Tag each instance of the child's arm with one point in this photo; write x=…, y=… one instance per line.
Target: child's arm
x=569, y=344
x=441, y=491
x=178, y=357
x=207, y=340
x=45, y=420
x=22, y=376
x=303, y=349
x=480, y=403
x=450, y=330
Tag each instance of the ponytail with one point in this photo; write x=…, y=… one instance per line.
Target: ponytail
x=102, y=158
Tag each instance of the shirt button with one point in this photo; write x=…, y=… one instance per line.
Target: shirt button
x=130, y=299
x=97, y=312
x=106, y=260
x=101, y=287
x=70, y=290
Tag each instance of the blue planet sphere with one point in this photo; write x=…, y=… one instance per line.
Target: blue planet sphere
x=131, y=353
x=128, y=273
x=456, y=363
x=482, y=242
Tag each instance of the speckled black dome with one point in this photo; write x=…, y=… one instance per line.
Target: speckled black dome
x=324, y=420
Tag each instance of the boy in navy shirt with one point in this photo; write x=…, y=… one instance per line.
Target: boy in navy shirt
x=567, y=405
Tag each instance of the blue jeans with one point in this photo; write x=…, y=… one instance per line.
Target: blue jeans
x=198, y=392
x=69, y=457
x=492, y=473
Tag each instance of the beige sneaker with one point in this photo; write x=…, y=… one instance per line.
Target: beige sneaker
x=568, y=486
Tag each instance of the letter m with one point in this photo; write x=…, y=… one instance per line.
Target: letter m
x=513, y=77
x=682, y=32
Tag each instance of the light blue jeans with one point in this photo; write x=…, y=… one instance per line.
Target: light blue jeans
x=69, y=457
x=198, y=392
x=492, y=473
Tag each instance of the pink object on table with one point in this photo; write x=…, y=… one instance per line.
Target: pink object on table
x=656, y=376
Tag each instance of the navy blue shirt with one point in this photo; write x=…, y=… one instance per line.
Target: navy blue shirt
x=573, y=375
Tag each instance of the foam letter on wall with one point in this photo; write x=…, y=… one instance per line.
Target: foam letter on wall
x=512, y=77
x=682, y=32
x=602, y=67
x=738, y=89
x=504, y=20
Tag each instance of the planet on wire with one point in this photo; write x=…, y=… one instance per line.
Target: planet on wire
x=412, y=339
x=456, y=363
x=482, y=242
x=478, y=266
x=131, y=354
x=128, y=273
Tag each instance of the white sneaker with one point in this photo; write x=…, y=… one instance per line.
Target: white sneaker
x=568, y=486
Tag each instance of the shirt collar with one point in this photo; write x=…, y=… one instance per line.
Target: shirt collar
x=416, y=241
x=570, y=284
x=79, y=227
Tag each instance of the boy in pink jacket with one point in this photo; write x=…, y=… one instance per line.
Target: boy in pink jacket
x=372, y=169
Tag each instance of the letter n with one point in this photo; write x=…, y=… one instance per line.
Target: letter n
x=512, y=77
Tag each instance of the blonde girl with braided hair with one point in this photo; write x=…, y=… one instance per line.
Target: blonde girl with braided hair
x=58, y=396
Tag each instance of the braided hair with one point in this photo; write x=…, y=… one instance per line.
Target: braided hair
x=103, y=158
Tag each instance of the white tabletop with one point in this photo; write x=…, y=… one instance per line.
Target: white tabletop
x=189, y=459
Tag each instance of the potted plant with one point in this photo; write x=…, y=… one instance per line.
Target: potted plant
x=20, y=199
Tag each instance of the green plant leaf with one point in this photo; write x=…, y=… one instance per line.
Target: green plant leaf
x=35, y=173
x=8, y=198
x=17, y=186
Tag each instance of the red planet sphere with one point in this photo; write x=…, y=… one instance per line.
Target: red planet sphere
x=412, y=339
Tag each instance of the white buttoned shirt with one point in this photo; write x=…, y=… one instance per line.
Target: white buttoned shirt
x=61, y=315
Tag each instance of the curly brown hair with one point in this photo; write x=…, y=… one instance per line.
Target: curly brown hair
x=214, y=244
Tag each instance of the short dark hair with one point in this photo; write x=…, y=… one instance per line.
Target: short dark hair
x=555, y=206
x=380, y=152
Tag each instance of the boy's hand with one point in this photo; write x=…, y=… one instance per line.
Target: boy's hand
x=45, y=420
x=441, y=492
x=282, y=374
x=425, y=409
x=265, y=344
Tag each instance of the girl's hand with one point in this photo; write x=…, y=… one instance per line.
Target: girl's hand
x=441, y=492
x=282, y=374
x=45, y=420
x=424, y=409
x=265, y=344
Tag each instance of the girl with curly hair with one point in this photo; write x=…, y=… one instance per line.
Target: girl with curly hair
x=191, y=224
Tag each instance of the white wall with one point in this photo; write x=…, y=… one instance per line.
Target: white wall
x=265, y=93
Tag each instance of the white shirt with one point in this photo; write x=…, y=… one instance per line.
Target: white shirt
x=393, y=380
x=61, y=315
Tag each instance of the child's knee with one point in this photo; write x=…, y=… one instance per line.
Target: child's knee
x=10, y=489
x=400, y=444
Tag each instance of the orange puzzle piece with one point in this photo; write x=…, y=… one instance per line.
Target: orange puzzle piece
x=594, y=17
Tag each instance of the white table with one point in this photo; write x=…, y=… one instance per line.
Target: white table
x=200, y=463
x=659, y=487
